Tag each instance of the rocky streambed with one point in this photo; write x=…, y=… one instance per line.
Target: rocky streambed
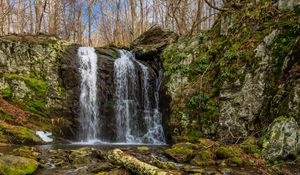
x=203, y=157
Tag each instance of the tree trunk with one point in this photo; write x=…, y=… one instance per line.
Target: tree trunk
x=133, y=164
x=79, y=22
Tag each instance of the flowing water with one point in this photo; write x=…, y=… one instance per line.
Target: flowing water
x=131, y=127
x=88, y=94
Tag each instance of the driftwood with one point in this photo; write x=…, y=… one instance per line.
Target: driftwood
x=133, y=164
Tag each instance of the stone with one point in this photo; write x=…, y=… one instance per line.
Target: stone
x=143, y=149
x=26, y=151
x=282, y=139
x=15, y=165
x=288, y=4
x=203, y=158
x=82, y=155
x=181, y=152
x=152, y=42
x=239, y=109
x=101, y=167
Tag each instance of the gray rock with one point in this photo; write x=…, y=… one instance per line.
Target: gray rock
x=282, y=139
x=288, y=4
x=240, y=108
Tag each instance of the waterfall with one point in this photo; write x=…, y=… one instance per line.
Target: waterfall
x=88, y=94
x=132, y=127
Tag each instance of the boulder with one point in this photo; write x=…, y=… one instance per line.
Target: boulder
x=152, y=42
x=12, y=165
x=288, y=4
x=181, y=152
x=282, y=139
x=26, y=151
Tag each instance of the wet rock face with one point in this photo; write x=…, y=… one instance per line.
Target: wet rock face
x=282, y=139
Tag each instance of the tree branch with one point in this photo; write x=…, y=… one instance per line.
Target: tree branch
x=214, y=7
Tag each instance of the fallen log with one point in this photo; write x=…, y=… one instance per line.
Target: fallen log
x=133, y=164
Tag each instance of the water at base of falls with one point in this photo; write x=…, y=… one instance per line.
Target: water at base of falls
x=88, y=119
x=131, y=127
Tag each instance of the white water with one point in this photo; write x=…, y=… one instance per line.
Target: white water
x=129, y=128
x=125, y=79
x=88, y=95
x=45, y=136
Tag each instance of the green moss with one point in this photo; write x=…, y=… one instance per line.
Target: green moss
x=249, y=146
x=3, y=137
x=39, y=86
x=7, y=93
x=20, y=134
x=38, y=107
x=234, y=161
x=181, y=152
x=227, y=152
x=26, y=151
x=14, y=165
x=204, y=157
x=5, y=117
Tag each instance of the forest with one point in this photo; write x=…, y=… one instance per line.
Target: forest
x=100, y=22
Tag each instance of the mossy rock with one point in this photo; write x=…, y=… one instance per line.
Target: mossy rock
x=82, y=156
x=143, y=149
x=39, y=86
x=182, y=152
x=227, y=152
x=204, y=157
x=20, y=134
x=235, y=161
x=15, y=165
x=281, y=139
x=205, y=143
x=26, y=151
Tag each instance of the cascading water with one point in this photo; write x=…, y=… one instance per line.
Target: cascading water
x=130, y=127
x=125, y=81
x=88, y=96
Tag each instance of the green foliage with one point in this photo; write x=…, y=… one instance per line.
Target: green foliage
x=286, y=40
x=197, y=99
x=7, y=93
x=5, y=117
x=38, y=107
